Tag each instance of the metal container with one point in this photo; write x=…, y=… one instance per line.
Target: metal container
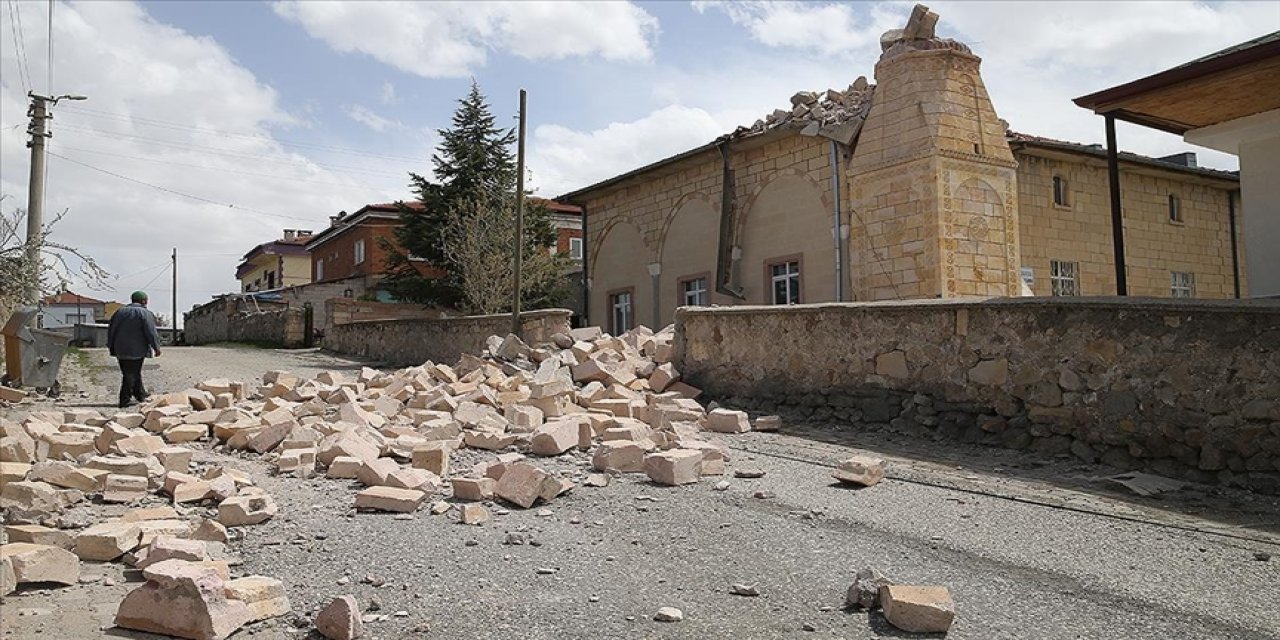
x=32, y=356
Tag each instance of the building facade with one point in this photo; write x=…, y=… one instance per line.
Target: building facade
x=909, y=188
x=64, y=310
x=276, y=264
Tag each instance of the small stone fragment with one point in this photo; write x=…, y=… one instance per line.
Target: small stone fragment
x=865, y=590
x=918, y=609
x=246, y=510
x=390, y=499
x=768, y=423
x=861, y=470
x=748, y=590
x=748, y=473
x=668, y=614
x=340, y=620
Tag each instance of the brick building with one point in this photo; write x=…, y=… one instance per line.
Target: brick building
x=908, y=188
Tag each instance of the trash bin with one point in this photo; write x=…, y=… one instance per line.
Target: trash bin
x=32, y=356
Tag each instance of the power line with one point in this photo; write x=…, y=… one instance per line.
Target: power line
x=49, y=60
x=15, y=25
x=166, y=124
x=178, y=193
x=157, y=277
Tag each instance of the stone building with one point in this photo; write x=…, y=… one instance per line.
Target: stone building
x=911, y=187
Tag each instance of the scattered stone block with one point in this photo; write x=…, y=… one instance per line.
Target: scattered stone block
x=299, y=461
x=13, y=472
x=118, y=488
x=624, y=456
x=175, y=458
x=474, y=514
x=36, y=563
x=663, y=376
x=210, y=531
x=768, y=423
x=918, y=609
x=474, y=488
x=340, y=620
x=170, y=548
x=861, y=470
x=344, y=467
x=149, y=513
x=69, y=446
x=265, y=596
x=246, y=510
x=183, y=599
x=139, y=445
x=727, y=421
x=419, y=479
x=11, y=395
x=107, y=541
x=432, y=456
x=674, y=467
x=555, y=438
x=865, y=590
x=489, y=441
x=390, y=499
x=32, y=497
x=63, y=474
x=668, y=614
x=522, y=484
x=374, y=472
x=186, y=433
x=36, y=534
x=8, y=579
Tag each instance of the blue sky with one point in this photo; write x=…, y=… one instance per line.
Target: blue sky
x=291, y=111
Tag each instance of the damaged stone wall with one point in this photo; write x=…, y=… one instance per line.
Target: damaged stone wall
x=412, y=342
x=344, y=310
x=1184, y=389
x=234, y=319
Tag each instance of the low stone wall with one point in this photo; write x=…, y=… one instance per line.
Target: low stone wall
x=346, y=310
x=239, y=320
x=1189, y=389
x=444, y=340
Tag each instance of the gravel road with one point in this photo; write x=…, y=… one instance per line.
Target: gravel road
x=1029, y=548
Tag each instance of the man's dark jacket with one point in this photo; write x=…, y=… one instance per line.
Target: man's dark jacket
x=132, y=333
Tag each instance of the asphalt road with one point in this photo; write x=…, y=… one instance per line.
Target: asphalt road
x=1025, y=555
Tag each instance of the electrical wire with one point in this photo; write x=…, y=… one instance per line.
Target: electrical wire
x=138, y=273
x=179, y=193
x=166, y=124
x=15, y=26
x=157, y=277
x=49, y=60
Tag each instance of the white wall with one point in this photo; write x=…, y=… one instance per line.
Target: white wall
x=56, y=316
x=1260, y=192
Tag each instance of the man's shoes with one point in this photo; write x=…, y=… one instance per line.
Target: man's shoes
x=127, y=403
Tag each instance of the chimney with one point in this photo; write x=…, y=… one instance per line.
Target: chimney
x=334, y=220
x=1186, y=159
x=290, y=234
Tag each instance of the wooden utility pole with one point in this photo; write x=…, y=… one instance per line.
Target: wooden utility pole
x=173, y=321
x=519, y=235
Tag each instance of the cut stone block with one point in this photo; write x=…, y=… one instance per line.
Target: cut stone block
x=662, y=377
x=474, y=514
x=489, y=441
x=727, y=421
x=127, y=465
x=107, y=541
x=36, y=534
x=118, y=488
x=271, y=436
x=31, y=497
x=674, y=467
x=34, y=563
x=72, y=445
x=298, y=461
x=139, y=445
x=211, y=531
x=522, y=484
x=390, y=499
x=13, y=472
x=149, y=513
x=524, y=418
x=345, y=443
x=340, y=620
x=344, y=467
x=265, y=596
x=625, y=456
x=373, y=473
x=183, y=599
x=170, y=548
x=175, y=458
x=918, y=609
x=8, y=579
x=555, y=438
x=474, y=488
x=768, y=423
x=63, y=474
x=186, y=433
x=862, y=470
x=865, y=590
x=419, y=479
x=246, y=510
x=432, y=456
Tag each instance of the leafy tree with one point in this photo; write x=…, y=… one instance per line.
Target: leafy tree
x=474, y=185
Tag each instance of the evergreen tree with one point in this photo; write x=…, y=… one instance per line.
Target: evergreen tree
x=475, y=175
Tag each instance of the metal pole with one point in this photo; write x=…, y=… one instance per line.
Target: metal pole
x=173, y=321
x=519, y=235
x=35, y=193
x=1117, y=221
x=836, y=228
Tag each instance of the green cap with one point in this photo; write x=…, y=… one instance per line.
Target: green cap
x=138, y=296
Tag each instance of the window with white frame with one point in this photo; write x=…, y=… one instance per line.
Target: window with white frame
x=1064, y=278
x=320, y=269
x=621, y=318
x=575, y=248
x=1175, y=208
x=693, y=292
x=359, y=251
x=1060, y=192
x=784, y=278
x=1183, y=284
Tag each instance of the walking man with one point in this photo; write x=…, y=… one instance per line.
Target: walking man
x=131, y=337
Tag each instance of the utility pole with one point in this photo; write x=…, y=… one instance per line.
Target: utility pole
x=519, y=235
x=39, y=113
x=173, y=320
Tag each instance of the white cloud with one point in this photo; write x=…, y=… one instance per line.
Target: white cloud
x=388, y=93
x=365, y=116
x=829, y=28
x=562, y=159
x=451, y=39
x=176, y=111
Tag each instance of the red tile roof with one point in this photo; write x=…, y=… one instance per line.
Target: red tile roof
x=67, y=297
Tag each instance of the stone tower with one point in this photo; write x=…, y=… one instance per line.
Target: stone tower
x=932, y=181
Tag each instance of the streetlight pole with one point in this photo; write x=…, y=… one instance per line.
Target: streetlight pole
x=39, y=113
x=516, y=285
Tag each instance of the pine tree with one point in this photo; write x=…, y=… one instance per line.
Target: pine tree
x=475, y=175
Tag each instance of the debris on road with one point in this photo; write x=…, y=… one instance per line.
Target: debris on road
x=668, y=614
x=340, y=620
x=860, y=470
x=918, y=609
x=865, y=591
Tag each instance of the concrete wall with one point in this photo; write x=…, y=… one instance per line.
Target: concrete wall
x=1183, y=388
x=1260, y=190
x=444, y=340
x=237, y=320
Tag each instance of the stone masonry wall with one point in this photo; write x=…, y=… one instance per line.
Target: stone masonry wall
x=345, y=310
x=444, y=340
x=1189, y=389
x=237, y=320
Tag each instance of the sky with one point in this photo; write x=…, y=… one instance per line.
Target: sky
x=212, y=126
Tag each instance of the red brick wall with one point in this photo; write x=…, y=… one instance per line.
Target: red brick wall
x=339, y=252
x=562, y=240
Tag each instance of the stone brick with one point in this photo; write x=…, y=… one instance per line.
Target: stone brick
x=246, y=510
x=13, y=472
x=524, y=418
x=522, y=484
x=344, y=467
x=917, y=609
x=149, y=513
x=265, y=596
x=662, y=377
x=175, y=458
x=990, y=372
x=555, y=437
x=474, y=514
x=862, y=470
x=432, y=456
x=63, y=474
x=37, y=497
x=340, y=619
x=489, y=441
x=120, y=488
x=674, y=467
x=727, y=421
x=8, y=579
x=892, y=365
x=36, y=534
x=35, y=563
x=768, y=423
x=183, y=599
x=70, y=445
x=170, y=548
x=139, y=445
x=390, y=499
x=374, y=472
x=419, y=479
x=474, y=488
x=107, y=541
